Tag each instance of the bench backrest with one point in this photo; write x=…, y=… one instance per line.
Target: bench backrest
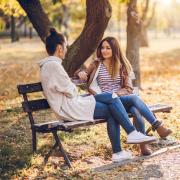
x=30, y=106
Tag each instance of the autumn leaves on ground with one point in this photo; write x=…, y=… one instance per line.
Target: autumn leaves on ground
x=87, y=147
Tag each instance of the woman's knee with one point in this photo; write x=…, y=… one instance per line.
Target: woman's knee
x=133, y=110
x=111, y=123
x=136, y=114
x=135, y=98
x=106, y=98
x=101, y=111
x=117, y=105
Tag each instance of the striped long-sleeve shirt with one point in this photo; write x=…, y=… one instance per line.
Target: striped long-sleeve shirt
x=105, y=82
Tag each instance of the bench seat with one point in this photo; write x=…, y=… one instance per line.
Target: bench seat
x=69, y=125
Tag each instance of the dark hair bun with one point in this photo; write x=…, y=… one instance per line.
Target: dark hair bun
x=53, y=31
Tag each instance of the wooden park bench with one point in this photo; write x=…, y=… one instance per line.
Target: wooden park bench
x=53, y=127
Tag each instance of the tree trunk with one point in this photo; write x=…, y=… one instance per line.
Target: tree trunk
x=14, y=34
x=145, y=24
x=25, y=29
x=30, y=33
x=37, y=17
x=144, y=37
x=133, y=39
x=98, y=15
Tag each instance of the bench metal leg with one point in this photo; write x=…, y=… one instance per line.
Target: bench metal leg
x=58, y=142
x=34, y=142
x=50, y=152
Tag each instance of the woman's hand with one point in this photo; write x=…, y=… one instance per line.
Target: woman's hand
x=82, y=75
x=123, y=92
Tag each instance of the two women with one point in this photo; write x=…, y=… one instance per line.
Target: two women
x=64, y=100
x=111, y=73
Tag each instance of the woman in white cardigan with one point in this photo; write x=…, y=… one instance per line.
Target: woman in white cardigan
x=63, y=98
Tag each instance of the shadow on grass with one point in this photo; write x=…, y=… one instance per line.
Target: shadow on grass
x=16, y=148
x=15, y=152
x=15, y=142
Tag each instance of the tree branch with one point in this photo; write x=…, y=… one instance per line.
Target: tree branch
x=148, y=22
x=97, y=17
x=37, y=17
x=145, y=10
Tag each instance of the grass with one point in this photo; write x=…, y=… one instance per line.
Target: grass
x=87, y=147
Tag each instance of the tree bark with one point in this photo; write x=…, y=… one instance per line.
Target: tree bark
x=133, y=39
x=97, y=17
x=37, y=17
x=144, y=37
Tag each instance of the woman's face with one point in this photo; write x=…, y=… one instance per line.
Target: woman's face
x=63, y=50
x=106, y=50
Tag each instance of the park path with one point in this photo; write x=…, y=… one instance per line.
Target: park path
x=165, y=166
x=162, y=164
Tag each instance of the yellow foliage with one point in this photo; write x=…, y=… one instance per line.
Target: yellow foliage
x=11, y=7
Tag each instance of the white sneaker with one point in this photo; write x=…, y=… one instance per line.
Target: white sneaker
x=136, y=137
x=121, y=156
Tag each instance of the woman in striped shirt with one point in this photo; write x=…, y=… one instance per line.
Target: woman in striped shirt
x=111, y=73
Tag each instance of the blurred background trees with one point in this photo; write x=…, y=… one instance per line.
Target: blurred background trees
x=12, y=17
x=84, y=23
x=68, y=16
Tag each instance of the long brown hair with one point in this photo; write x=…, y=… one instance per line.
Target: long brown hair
x=118, y=59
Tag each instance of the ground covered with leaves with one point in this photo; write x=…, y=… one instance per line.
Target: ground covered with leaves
x=87, y=147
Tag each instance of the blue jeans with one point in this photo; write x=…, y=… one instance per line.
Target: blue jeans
x=114, y=112
x=130, y=101
x=138, y=119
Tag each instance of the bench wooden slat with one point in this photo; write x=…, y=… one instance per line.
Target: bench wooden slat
x=29, y=88
x=50, y=126
x=76, y=124
x=64, y=126
x=160, y=108
x=35, y=105
x=36, y=87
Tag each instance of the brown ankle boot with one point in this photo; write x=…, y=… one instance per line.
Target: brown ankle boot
x=145, y=151
x=161, y=130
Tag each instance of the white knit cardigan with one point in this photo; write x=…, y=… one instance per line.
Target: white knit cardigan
x=62, y=94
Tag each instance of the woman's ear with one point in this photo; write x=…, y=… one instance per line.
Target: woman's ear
x=59, y=47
